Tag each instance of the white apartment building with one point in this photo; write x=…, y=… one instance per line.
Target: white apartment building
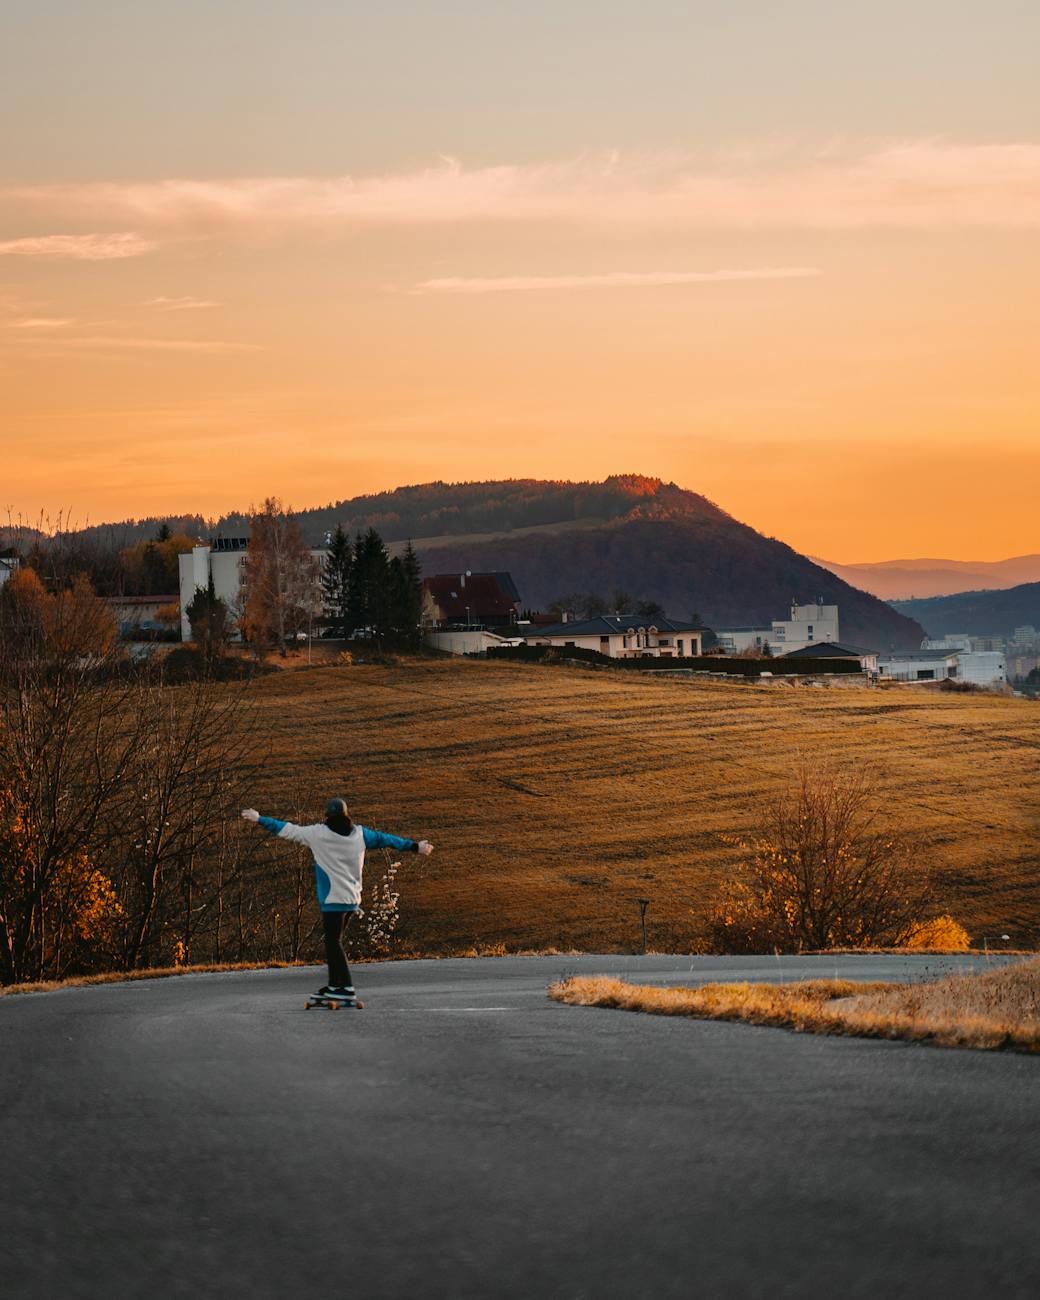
x=223, y=558
x=808, y=625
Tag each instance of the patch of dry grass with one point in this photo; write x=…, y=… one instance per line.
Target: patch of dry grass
x=558, y=797
x=997, y=1009
x=157, y=972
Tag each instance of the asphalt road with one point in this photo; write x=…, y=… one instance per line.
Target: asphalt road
x=463, y=1136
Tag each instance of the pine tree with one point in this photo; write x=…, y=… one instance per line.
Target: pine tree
x=208, y=616
x=368, y=596
x=335, y=583
x=408, y=610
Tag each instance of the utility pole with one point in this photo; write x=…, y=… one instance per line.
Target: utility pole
x=644, y=903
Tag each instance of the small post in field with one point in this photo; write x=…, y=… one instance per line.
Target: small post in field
x=644, y=903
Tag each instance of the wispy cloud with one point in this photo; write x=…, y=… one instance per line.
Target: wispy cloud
x=125, y=342
x=185, y=303
x=913, y=183
x=40, y=323
x=82, y=248
x=609, y=280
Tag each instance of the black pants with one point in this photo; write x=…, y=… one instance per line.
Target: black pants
x=332, y=925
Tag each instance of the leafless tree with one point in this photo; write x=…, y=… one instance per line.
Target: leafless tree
x=824, y=870
x=280, y=592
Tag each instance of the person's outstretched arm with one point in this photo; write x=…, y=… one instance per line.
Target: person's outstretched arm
x=284, y=830
x=382, y=840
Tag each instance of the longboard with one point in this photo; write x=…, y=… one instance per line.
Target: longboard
x=333, y=1004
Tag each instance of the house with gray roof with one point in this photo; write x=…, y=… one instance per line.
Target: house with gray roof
x=622, y=636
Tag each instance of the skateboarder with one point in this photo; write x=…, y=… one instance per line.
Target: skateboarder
x=338, y=846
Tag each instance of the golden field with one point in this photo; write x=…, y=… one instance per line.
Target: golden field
x=556, y=797
x=999, y=1008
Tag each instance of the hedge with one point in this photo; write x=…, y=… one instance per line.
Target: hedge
x=733, y=666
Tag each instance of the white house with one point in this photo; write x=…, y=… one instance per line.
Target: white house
x=808, y=625
x=918, y=665
x=979, y=667
x=9, y=562
x=622, y=636
x=223, y=558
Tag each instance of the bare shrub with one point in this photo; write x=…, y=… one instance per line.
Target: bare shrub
x=823, y=871
x=380, y=918
x=113, y=790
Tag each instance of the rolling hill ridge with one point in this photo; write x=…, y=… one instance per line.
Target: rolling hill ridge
x=652, y=539
x=978, y=613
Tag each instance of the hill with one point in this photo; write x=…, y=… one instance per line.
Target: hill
x=979, y=613
x=652, y=539
x=898, y=580
x=556, y=797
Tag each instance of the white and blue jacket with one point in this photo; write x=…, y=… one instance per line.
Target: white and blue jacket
x=338, y=859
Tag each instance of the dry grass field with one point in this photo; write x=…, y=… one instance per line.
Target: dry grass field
x=997, y=1009
x=557, y=797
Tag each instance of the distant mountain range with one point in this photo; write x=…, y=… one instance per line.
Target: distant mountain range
x=979, y=613
x=900, y=580
x=652, y=539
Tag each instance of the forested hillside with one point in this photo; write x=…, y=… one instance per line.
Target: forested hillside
x=979, y=613
x=656, y=541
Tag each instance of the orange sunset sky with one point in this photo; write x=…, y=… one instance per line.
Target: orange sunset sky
x=786, y=255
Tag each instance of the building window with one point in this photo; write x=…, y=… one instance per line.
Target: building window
x=926, y=674
x=680, y=646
